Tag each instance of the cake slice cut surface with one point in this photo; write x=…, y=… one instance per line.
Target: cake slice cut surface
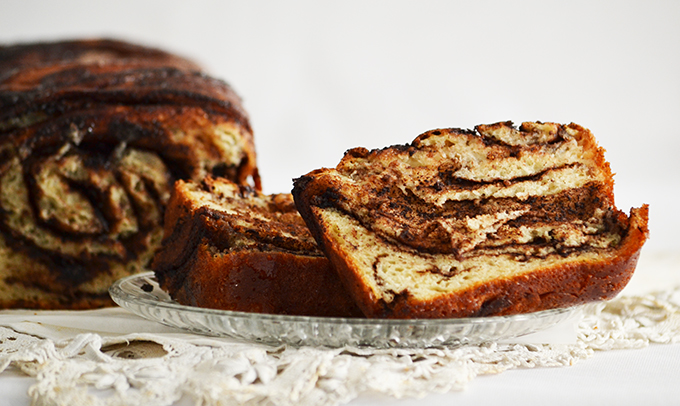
x=499, y=220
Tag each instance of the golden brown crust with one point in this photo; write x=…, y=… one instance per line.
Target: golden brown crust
x=264, y=282
x=86, y=51
x=234, y=248
x=420, y=230
x=93, y=135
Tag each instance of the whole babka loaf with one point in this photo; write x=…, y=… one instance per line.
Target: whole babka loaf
x=231, y=247
x=93, y=135
x=495, y=221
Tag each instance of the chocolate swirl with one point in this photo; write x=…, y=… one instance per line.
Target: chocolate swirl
x=529, y=191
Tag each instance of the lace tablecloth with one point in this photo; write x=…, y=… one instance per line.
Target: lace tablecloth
x=112, y=357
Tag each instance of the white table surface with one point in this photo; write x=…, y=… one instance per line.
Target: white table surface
x=321, y=77
x=648, y=376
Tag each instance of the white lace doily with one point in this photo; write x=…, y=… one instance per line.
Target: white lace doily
x=100, y=366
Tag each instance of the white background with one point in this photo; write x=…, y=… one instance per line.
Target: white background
x=320, y=77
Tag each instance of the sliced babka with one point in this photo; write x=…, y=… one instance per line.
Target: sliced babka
x=231, y=247
x=495, y=221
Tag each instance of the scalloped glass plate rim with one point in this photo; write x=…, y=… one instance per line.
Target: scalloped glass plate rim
x=117, y=291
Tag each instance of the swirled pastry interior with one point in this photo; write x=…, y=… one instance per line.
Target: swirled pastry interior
x=93, y=135
x=498, y=220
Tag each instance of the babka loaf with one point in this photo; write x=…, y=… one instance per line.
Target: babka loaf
x=93, y=135
x=231, y=247
x=495, y=221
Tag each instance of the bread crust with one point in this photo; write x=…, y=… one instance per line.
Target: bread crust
x=16, y=57
x=264, y=282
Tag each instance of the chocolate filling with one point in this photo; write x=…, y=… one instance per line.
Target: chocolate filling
x=431, y=229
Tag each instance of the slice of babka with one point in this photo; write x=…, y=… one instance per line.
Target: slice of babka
x=495, y=221
x=231, y=247
x=93, y=135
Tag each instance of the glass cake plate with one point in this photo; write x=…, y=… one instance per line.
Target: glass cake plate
x=141, y=295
